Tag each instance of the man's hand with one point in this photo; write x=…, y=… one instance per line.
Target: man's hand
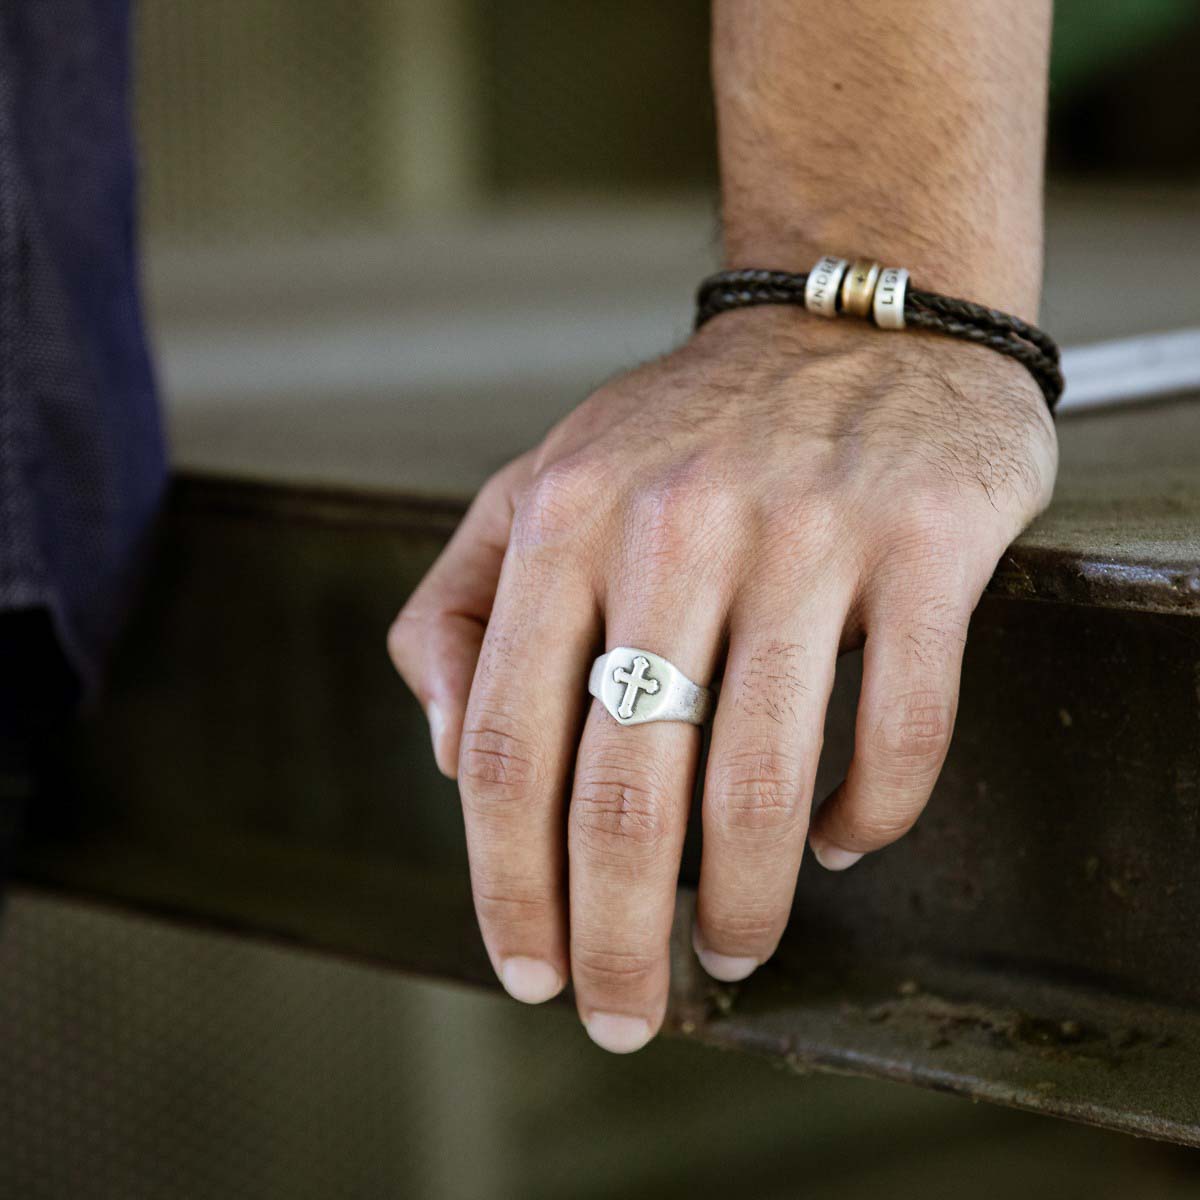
x=776, y=490
x=779, y=488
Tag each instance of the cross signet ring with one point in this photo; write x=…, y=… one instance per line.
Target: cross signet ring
x=636, y=686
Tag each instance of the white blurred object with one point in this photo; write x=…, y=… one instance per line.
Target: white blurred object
x=1129, y=369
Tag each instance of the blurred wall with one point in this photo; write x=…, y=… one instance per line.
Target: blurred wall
x=262, y=116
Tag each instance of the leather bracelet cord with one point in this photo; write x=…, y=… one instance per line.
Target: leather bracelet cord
x=835, y=287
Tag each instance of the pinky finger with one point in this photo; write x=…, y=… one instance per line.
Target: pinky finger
x=905, y=718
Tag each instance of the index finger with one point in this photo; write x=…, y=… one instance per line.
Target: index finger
x=519, y=736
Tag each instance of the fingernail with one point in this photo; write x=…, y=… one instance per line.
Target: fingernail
x=728, y=968
x=833, y=858
x=617, y=1034
x=530, y=980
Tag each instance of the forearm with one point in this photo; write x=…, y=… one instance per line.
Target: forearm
x=909, y=132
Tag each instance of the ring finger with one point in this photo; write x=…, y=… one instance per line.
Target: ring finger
x=629, y=808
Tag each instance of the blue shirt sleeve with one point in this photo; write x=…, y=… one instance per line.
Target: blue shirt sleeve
x=82, y=458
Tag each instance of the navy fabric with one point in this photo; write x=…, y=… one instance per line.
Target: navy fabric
x=82, y=463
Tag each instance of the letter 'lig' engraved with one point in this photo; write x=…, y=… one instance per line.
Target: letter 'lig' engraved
x=638, y=685
x=634, y=681
x=889, y=298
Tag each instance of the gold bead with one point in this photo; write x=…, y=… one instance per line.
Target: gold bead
x=858, y=287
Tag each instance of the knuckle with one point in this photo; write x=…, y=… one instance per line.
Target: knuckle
x=660, y=523
x=401, y=635
x=935, y=513
x=507, y=903
x=776, y=680
x=618, y=811
x=729, y=930
x=933, y=624
x=882, y=824
x=667, y=518
x=497, y=765
x=915, y=729
x=803, y=521
x=554, y=509
x=756, y=790
x=613, y=971
x=929, y=531
x=494, y=493
x=498, y=488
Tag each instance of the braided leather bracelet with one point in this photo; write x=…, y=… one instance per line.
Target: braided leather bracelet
x=835, y=287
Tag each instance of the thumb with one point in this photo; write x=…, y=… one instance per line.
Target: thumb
x=434, y=642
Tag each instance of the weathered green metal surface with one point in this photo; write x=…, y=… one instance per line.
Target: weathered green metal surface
x=1032, y=942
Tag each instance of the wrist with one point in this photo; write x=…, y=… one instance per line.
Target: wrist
x=986, y=265
x=786, y=333
x=835, y=289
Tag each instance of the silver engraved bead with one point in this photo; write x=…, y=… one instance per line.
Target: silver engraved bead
x=821, y=288
x=888, y=304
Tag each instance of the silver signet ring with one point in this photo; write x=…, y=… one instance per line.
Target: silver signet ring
x=638, y=686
